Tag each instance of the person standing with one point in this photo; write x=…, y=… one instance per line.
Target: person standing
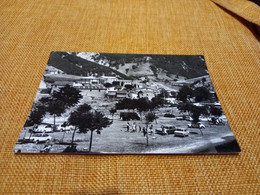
x=134, y=127
x=151, y=129
x=127, y=127
x=144, y=131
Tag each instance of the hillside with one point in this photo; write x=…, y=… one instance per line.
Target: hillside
x=188, y=66
x=69, y=63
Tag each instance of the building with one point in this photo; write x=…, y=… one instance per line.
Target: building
x=121, y=94
x=108, y=79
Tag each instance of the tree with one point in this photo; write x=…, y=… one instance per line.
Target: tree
x=142, y=105
x=185, y=107
x=164, y=93
x=185, y=93
x=115, y=83
x=97, y=122
x=201, y=94
x=203, y=81
x=194, y=111
x=55, y=108
x=35, y=117
x=126, y=103
x=60, y=100
x=45, y=100
x=157, y=101
x=215, y=111
x=197, y=111
x=173, y=94
x=107, y=85
x=86, y=120
x=149, y=118
x=84, y=108
x=67, y=94
x=129, y=87
x=112, y=112
x=134, y=67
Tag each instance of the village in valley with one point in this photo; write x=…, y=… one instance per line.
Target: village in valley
x=91, y=102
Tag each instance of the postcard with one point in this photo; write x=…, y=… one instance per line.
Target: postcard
x=126, y=104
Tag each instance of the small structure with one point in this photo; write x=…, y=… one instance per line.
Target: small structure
x=108, y=79
x=121, y=94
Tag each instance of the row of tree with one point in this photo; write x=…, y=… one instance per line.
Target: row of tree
x=83, y=118
x=200, y=93
x=142, y=105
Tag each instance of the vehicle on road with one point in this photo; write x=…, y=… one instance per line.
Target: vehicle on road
x=196, y=125
x=39, y=138
x=165, y=130
x=182, y=132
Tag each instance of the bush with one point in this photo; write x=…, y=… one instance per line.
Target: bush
x=126, y=116
x=134, y=67
x=169, y=115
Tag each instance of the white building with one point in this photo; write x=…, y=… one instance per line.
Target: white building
x=108, y=79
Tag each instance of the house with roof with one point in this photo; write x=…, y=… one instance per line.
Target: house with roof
x=108, y=79
x=111, y=92
x=122, y=94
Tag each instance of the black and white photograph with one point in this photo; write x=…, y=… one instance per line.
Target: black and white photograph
x=126, y=104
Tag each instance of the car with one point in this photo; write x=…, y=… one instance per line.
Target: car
x=179, y=118
x=39, y=137
x=188, y=118
x=196, y=125
x=204, y=119
x=165, y=129
x=182, y=132
x=44, y=129
x=67, y=128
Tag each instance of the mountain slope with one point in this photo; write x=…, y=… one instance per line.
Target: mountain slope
x=69, y=63
x=189, y=66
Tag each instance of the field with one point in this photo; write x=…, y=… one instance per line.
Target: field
x=115, y=139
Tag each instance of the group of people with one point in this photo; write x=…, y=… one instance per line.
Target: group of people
x=133, y=128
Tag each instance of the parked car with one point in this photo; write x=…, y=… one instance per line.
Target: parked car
x=181, y=132
x=189, y=118
x=67, y=128
x=44, y=129
x=179, y=118
x=216, y=121
x=204, y=119
x=196, y=125
x=165, y=129
x=39, y=137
